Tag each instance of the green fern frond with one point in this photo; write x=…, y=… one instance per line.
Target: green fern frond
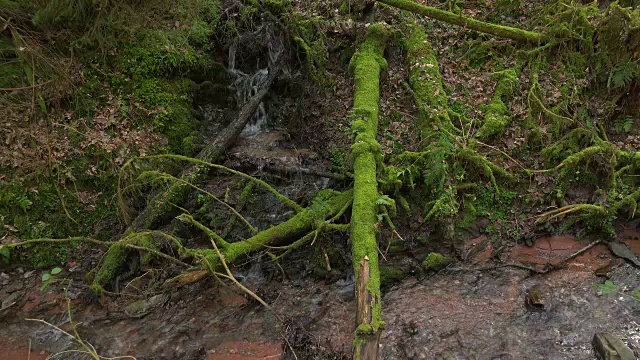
x=621, y=75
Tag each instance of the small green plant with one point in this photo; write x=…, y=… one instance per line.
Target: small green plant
x=623, y=125
x=622, y=75
x=24, y=202
x=607, y=288
x=338, y=159
x=4, y=254
x=636, y=294
x=50, y=278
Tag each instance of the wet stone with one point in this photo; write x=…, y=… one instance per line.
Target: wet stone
x=141, y=308
x=609, y=347
x=4, y=279
x=11, y=299
x=622, y=251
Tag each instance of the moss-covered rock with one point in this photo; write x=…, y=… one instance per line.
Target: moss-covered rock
x=435, y=261
x=392, y=274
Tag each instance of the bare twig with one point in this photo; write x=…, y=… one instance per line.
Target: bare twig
x=235, y=281
x=503, y=153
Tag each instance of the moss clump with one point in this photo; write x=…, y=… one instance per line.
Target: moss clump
x=309, y=35
x=169, y=104
x=508, y=6
x=435, y=262
x=497, y=116
x=480, y=52
x=390, y=275
x=111, y=264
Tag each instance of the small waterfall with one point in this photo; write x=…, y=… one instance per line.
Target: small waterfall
x=248, y=86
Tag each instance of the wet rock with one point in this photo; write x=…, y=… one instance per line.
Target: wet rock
x=609, y=347
x=10, y=300
x=4, y=279
x=534, y=300
x=605, y=270
x=435, y=261
x=622, y=251
x=142, y=308
x=245, y=350
x=14, y=287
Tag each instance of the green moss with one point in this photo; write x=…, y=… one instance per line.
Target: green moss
x=426, y=82
x=480, y=52
x=576, y=140
x=467, y=22
x=111, y=264
x=507, y=6
x=276, y=7
x=154, y=53
x=497, y=115
x=171, y=111
x=367, y=64
x=538, y=109
x=435, y=261
x=148, y=242
x=390, y=275
x=310, y=36
x=345, y=7
x=200, y=33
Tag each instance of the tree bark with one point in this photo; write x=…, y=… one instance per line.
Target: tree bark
x=162, y=205
x=367, y=64
x=467, y=22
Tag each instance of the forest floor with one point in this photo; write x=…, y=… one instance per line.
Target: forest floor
x=472, y=309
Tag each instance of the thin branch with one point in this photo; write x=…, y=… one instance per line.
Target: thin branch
x=502, y=152
x=268, y=187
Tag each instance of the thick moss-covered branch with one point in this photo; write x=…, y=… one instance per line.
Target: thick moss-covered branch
x=426, y=83
x=367, y=64
x=116, y=257
x=325, y=205
x=467, y=22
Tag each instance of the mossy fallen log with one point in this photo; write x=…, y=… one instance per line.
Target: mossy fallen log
x=467, y=22
x=326, y=205
x=367, y=64
x=426, y=83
